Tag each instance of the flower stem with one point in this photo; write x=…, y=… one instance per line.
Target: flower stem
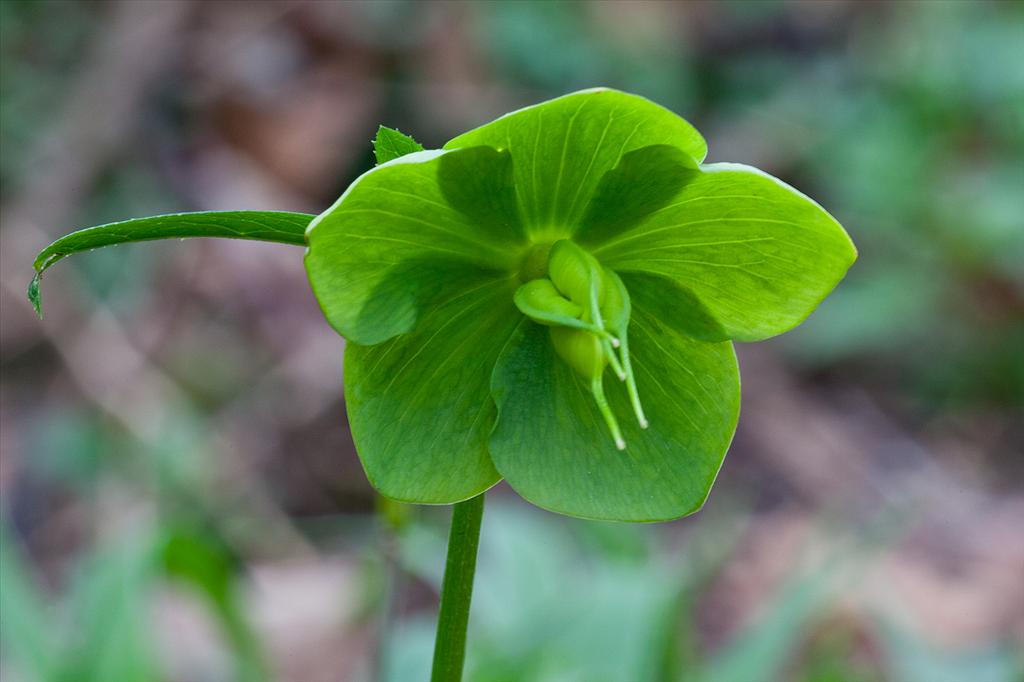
x=457, y=590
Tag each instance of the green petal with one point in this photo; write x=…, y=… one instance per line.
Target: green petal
x=419, y=405
x=759, y=255
x=563, y=147
x=407, y=232
x=552, y=446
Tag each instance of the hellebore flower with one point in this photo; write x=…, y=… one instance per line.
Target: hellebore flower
x=552, y=298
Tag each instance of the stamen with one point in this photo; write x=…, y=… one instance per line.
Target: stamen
x=634, y=394
x=603, y=334
x=613, y=360
x=608, y=342
x=597, y=388
x=618, y=309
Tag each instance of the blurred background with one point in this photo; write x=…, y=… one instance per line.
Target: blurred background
x=181, y=500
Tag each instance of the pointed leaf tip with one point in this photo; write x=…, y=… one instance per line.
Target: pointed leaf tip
x=34, y=296
x=391, y=144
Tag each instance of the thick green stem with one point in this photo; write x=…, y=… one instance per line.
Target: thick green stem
x=457, y=590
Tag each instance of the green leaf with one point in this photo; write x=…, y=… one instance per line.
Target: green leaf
x=419, y=405
x=562, y=148
x=269, y=226
x=389, y=246
x=390, y=144
x=551, y=445
x=758, y=255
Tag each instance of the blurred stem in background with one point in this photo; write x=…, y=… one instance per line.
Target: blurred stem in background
x=393, y=518
x=457, y=590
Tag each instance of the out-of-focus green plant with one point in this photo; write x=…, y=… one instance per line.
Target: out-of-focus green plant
x=489, y=289
x=106, y=635
x=633, y=612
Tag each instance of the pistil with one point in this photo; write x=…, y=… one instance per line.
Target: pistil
x=587, y=309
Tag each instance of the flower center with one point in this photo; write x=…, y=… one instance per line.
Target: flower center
x=535, y=262
x=587, y=309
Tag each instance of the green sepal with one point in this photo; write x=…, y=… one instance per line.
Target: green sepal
x=758, y=255
x=551, y=443
x=677, y=307
x=419, y=404
x=378, y=258
x=644, y=181
x=563, y=147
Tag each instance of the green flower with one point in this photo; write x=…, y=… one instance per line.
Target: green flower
x=551, y=299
